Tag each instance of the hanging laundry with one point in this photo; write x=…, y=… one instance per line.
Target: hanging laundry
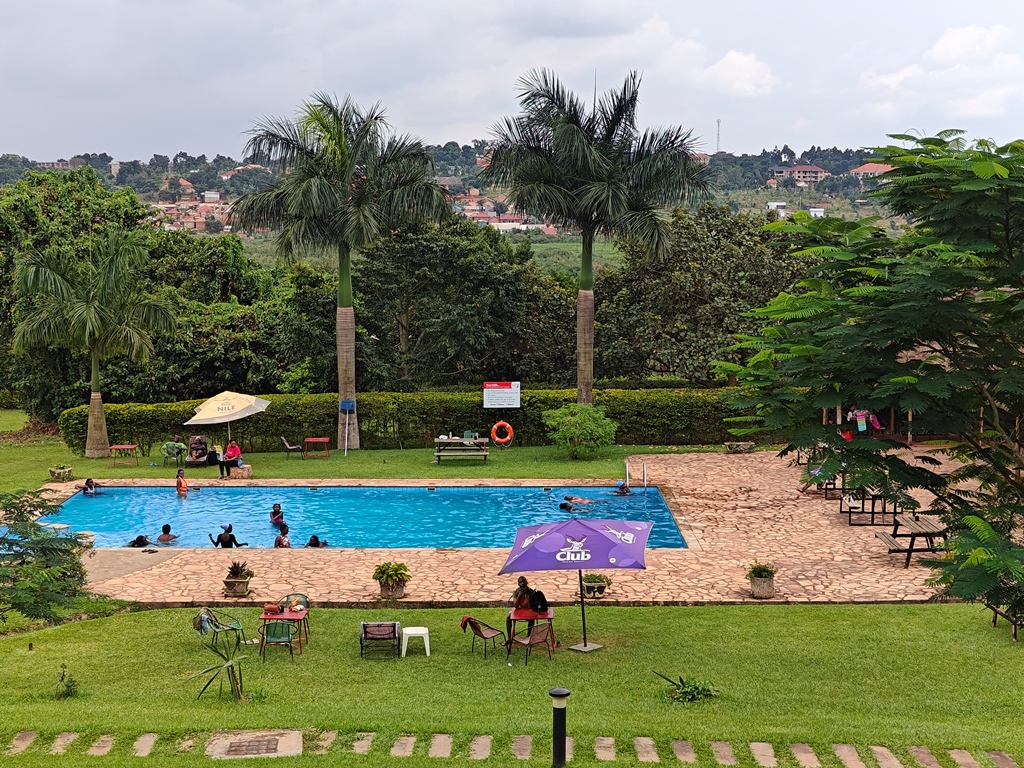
x=862, y=420
x=875, y=422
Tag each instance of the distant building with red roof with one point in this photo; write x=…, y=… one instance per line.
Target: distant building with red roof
x=870, y=170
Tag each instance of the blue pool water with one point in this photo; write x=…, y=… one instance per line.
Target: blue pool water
x=367, y=516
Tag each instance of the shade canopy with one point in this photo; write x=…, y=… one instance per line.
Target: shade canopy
x=227, y=407
x=575, y=544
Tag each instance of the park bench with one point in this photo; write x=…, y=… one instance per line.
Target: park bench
x=914, y=527
x=460, y=446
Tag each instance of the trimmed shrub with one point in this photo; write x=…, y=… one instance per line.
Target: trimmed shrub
x=580, y=429
x=413, y=419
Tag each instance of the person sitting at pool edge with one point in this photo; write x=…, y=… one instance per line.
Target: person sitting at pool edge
x=89, y=487
x=232, y=454
x=277, y=516
x=315, y=543
x=139, y=542
x=182, y=483
x=166, y=537
x=227, y=539
x=621, y=489
x=282, y=541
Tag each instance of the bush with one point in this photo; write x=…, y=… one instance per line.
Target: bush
x=413, y=419
x=580, y=429
x=689, y=691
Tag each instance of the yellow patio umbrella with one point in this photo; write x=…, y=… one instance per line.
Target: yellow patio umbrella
x=227, y=407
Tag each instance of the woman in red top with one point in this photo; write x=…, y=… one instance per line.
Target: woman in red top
x=229, y=459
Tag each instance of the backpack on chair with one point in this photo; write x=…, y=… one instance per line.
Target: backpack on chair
x=538, y=603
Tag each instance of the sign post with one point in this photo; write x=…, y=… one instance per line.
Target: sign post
x=348, y=407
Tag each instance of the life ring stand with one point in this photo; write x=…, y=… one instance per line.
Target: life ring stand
x=509, y=433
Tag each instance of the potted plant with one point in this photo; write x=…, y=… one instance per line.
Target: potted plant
x=762, y=580
x=237, y=582
x=61, y=472
x=392, y=578
x=594, y=584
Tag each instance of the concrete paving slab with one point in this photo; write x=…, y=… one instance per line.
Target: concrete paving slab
x=229, y=745
x=847, y=754
x=522, y=746
x=101, y=746
x=22, y=741
x=924, y=756
x=363, y=743
x=403, y=746
x=324, y=742
x=683, y=750
x=723, y=753
x=646, y=750
x=764, y=754
x=1002, y=760
x=885, y=758
x=805, y=756
x=62, y=742
x=480, y=748
x=963, y=758
x=440, y=745
x=144, y=744
x=604, y=748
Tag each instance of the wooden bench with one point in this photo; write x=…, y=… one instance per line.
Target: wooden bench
x=915, y=527
x=460, y=446
x=1014, y=623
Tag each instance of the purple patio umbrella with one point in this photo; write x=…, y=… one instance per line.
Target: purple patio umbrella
x=572, y=544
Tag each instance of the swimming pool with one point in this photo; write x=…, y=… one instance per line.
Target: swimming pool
x=364, y=516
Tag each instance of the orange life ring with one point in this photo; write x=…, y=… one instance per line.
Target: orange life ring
x=510, y=433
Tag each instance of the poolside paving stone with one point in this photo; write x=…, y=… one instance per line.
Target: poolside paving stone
x=924, y=756
x=684, y=751
x=805, y=756
x=440, y=745
x=604, y=748
x=963, y=758
x=363, y=743
x=646, y=751
x=144, y=744
x=730, y=508
x=723, y=753
x=480, y=748
x=62, y=742
x=885, y=758
x=22, y=741
x=1002, y=760
x=764, y=754
x=847, y=754
x=522, y=746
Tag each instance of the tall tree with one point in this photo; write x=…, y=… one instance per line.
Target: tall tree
x=345, y=179
x=594, y=170
x=94, y=305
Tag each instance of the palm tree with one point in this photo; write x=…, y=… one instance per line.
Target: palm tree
x=344, y=179
x=95, y=304
x=592, y=169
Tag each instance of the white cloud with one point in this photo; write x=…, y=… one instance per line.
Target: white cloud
x=871, y=79
x=738, y=74
x=963, y=44
x=991, y=102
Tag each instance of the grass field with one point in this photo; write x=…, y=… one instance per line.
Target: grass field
x=565, y=257
x=12, y=421
x=934, y=675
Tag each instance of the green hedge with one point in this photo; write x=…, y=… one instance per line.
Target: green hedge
x=412, y=420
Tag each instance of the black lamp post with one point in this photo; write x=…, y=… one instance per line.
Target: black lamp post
x=558, y=699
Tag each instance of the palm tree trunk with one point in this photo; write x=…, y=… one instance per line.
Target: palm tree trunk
x=97, y=445
x=345, y=327
x=585, y=324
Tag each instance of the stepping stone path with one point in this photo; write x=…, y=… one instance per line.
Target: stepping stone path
x=22, y=741
x=440, y=745
x=805, y=756
x=723, y=753
x=522, y=746
x=101, y=746
x=764, y=755
x=281, y=743
x=62, y=742
x=144, y=744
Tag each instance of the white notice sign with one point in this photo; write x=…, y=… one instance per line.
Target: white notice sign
x=501, y=394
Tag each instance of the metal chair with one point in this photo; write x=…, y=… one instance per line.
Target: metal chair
x=220, y=623
x=277, y=633
x=289, y=448
x=385, y=636
x=173, y=451
x=539, y=634
x=287, y=600
x=485, y=632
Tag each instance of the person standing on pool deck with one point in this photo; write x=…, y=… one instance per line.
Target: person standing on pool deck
x=227, y=539
x=182, y=483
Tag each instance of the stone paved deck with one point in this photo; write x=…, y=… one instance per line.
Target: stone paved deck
x=730, y=508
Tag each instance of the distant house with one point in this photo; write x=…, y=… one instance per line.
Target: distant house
x=449, y=181
x=870, y=170
x=702, y=158
x=778, y=207
x=816, y=213
x=808, y=174
x=211, y=196
x=772, y=183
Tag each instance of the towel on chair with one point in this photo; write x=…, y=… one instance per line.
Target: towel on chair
x=464, y=622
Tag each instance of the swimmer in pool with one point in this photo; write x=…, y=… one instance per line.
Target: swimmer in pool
x=277, y=516
x=166, y=537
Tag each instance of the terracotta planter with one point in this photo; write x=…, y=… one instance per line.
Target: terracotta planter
x=762, y=588
x=236, y=587
x=393, y=592
x=594, y=590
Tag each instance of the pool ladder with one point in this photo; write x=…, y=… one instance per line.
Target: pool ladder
x=645, y=476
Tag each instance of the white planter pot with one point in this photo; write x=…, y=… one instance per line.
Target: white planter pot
x=762, y=588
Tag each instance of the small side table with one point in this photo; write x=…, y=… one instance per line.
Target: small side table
x=408, y=632
x=124, y=454
x=321, y=446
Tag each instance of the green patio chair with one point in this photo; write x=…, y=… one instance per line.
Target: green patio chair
x=277, y=633
x=304, y=602
x=220, y=623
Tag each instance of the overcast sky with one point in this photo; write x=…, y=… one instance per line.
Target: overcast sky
x=137, y=77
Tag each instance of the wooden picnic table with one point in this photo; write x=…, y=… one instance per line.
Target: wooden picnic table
x=460, y=446
x=124, y=454
x=913, y=527
x=321, y=446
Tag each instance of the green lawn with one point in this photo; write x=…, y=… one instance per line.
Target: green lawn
x=25, y=465
x=934, y=675
x=12, y=421
x=565, y=257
